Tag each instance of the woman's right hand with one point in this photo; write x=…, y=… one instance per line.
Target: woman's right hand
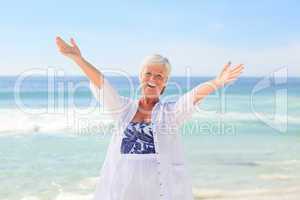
x=72, y=51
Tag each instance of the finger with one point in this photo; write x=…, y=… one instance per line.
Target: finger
x=237, y=68
x=235, y=75
x=73, y=42
x=61, y=42
x=226, y=66
x=58, y=41
x=236, y=72
x=57, y=38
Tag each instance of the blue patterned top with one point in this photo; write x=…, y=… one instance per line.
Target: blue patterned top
x=138, y=139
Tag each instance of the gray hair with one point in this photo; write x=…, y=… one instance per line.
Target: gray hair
x=156, y=59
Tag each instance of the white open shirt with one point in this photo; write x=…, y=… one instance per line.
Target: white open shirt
x=167, y=117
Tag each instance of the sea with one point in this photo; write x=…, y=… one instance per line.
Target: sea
x=241, y=143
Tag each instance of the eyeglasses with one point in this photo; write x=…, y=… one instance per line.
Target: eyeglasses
x=158, y=77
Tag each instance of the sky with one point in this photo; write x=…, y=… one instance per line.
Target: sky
x=198, y=37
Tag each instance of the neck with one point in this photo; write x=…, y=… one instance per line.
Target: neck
x=149, y=101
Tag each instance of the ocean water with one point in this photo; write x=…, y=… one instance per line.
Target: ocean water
x=243, y=142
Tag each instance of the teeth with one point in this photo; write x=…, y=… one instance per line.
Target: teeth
x=151, y=85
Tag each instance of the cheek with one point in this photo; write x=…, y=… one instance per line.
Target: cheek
x=161, y=84
x=143, y=80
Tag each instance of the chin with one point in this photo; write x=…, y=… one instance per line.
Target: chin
x=151, y=95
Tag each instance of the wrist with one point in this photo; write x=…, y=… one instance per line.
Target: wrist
x=217, y=83
x=78, y=59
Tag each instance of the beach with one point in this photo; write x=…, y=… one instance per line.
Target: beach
x=53, y=140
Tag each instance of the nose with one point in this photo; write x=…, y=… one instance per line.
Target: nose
x=152, y=78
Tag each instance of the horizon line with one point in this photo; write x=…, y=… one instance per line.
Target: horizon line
x=176, y=76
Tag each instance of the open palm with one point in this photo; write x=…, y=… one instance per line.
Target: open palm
x=71, y=51
x=229, y=74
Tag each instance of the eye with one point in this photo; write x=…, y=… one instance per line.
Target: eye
x=148, y=74
x=159, y=77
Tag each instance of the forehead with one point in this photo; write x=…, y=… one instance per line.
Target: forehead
x=157, y=68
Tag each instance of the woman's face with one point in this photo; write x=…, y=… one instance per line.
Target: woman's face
x=153, y=79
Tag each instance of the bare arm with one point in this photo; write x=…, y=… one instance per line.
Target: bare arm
x=186, y=104
x=100, y=87
x=72, y=51
x=226, y=76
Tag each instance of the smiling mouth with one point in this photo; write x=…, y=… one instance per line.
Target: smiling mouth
x=151, y=85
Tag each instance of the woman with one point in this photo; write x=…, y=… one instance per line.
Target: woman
x=145, y=157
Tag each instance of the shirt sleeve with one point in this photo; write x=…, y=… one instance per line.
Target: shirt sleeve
x=185, y=107
x=112, y=103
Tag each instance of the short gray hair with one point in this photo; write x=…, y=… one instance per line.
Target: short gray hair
x=156, y=59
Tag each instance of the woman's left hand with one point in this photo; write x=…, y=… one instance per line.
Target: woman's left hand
x=228, y=74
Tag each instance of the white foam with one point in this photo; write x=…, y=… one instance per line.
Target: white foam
x=72, y=196
x=292, y=162
x=290, y=193
x=30, y=198
x=88, y=183
x=252, y=194
x=243, y=116
x=274, y=177
x=64, y=196
x=15, y=121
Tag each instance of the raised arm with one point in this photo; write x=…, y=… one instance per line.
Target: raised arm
x=226, y=76
x=112, y=102
x=185, y=105
x=73, y=52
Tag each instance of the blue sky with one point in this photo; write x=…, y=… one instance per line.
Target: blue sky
x=200, y=35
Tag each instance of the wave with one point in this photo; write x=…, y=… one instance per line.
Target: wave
x=64, y=196
x=291, y=193
x=274, y=177
x=15, y=121
x=30, y=198
x=283, y=163
x=241, y=163
x=72, y=196
x=243, y=116
x=88, y=182
x=73, y=121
